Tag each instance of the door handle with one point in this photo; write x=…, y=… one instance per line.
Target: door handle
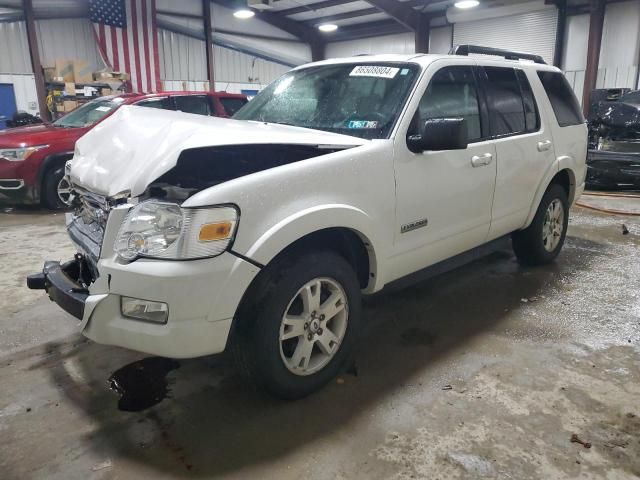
x=544, y=146
x=481, y=160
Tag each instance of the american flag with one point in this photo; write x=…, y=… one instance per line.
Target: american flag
x=127, y=38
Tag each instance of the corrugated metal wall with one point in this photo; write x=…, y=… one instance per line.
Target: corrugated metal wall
x=533, y=32
x=618, y=52
x=398, y=43
x=15, y=48
x=183, y=58
x=67, y=38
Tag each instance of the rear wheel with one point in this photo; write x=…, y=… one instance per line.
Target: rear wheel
x=542, y=241
x=56, y=190
x=303, y=324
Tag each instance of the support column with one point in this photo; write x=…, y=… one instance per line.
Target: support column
x=317, y=50
x=596, y=22
x=422, y=33
x=560, y=32
x=208, y=40
x=36, y=64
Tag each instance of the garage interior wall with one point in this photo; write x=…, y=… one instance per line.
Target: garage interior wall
x=533, y=32
x=619, y=50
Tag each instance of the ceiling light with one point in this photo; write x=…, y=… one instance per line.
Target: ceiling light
x=328, y=27
x=244, y=13
x=466, y=4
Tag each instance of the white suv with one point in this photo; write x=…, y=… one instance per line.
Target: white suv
x=261, y=233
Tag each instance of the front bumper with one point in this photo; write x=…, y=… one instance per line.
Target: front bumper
x=61, y=283
x=203, y=296
x=607, y=169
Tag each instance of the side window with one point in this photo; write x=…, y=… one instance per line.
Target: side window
x=452, y=93
x=563, y=101
x=159, y=102
x=198, y=104
x=506, y=108
x=531, y=116
x=232, y=105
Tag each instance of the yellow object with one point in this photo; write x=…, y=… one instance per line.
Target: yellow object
x=210, y=232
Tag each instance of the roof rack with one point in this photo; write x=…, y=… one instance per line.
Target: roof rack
x=498, y=52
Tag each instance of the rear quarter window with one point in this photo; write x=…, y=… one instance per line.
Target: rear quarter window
x=563, y=101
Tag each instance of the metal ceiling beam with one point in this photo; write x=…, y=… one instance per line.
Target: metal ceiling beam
x=300, y=30
x=368, y=30
x=343, y=16
x=313, y=7
x=401, y=13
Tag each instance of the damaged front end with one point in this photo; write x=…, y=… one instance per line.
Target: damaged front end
x=614, y=144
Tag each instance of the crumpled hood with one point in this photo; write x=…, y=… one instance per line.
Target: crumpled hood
x=136, y=145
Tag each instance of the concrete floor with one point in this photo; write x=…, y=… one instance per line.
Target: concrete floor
x=486, y=371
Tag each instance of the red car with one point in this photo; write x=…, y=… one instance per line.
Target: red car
x=32, y=158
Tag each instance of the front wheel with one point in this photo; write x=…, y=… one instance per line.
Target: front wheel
x=541, y=242
x=303, y=324
x=56, y=192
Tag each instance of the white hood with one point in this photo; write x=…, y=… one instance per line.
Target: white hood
x=136, y=145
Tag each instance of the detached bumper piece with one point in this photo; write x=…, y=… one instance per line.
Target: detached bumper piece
x=61, y=282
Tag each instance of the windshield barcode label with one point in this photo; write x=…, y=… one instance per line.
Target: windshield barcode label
x=374, y=71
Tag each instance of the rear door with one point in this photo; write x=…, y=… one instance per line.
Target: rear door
x=230, y=105
x=523, y=144
x=196, y=104
x=163, y=103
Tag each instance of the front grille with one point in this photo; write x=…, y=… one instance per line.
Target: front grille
x=87, y=226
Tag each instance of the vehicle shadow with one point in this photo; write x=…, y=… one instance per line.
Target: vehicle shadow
x=216, y=424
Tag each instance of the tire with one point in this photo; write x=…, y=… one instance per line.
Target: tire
x=50, y=195
x=268, y=360
x=541, y=242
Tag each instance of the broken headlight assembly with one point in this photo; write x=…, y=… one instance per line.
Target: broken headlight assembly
x=155, y=229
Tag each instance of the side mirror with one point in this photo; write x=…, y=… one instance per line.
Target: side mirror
x=440, y=134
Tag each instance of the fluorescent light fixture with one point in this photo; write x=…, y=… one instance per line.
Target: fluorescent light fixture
x=243, y=13
x=328, y=27
x=466, y=4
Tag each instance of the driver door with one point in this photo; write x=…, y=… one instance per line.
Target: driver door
x=444, y=198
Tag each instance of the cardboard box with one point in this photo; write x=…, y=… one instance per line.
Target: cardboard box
x=110, y=76
x=70, y=105
x=82, y=73
x=49, y=73
x=70, y=88
x=64, y=70
x=60, y=107
x=105, y=91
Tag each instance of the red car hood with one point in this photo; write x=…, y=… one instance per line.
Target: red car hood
x=44, y=134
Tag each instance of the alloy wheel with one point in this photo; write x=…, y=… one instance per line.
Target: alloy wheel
x=64, y=191
x=313, y=326
x=553, y=225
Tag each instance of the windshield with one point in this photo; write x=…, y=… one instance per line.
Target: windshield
x=363, y=100
x=89, y=113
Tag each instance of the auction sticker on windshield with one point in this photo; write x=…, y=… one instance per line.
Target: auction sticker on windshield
x=374, y=71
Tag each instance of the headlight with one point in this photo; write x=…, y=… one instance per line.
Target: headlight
x=19, y=154
x=165, y=230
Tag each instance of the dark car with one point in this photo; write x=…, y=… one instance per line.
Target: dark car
x=613, y=160
x=32, y=158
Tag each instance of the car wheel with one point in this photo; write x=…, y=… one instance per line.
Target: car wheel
x=303, y=324
x=541, y=242
x=56, y=189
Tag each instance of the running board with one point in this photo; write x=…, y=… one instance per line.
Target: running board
x=450, y=264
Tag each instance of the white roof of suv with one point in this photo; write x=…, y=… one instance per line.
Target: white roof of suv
x=424, y=60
